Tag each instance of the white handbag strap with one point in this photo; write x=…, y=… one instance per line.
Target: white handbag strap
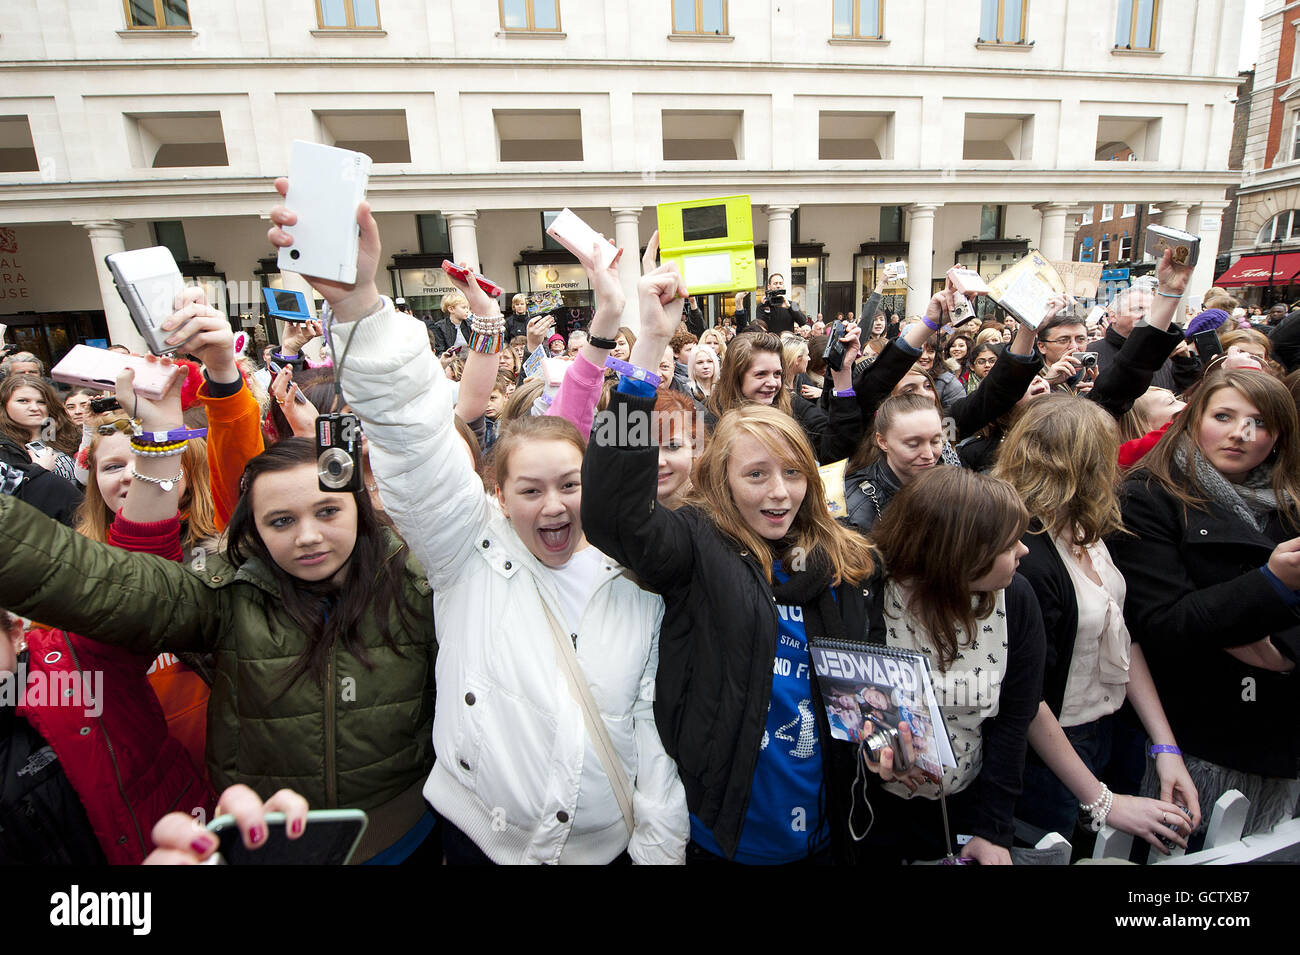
x=595, y=723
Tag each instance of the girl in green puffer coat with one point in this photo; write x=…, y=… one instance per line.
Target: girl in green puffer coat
x=320, y=623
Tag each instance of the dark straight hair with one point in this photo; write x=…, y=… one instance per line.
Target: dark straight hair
x=372, y=585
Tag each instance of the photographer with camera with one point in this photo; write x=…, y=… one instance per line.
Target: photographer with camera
x=777, y=313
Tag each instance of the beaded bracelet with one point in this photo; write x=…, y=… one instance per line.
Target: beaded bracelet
x=486, y=343
x=138, y=445
x=632, y=371
x=162, y=451
x=487, y=324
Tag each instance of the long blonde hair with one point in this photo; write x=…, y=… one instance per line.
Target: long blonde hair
x=848, y=553
x=1062, y=457
x=195, y=505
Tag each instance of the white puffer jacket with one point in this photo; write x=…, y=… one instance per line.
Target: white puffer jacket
x=510, y=739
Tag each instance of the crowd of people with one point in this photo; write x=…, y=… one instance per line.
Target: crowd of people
x=565, y=613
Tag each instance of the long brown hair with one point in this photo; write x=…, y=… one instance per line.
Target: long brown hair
x=67, y=436
x=373, y=586
x=1278, y=410
x=944, y=529
x=1062, y=457
x=848, y=553
x=727, y=393
x=195, y=505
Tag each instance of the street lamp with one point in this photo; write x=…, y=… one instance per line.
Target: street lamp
x=1276, y=242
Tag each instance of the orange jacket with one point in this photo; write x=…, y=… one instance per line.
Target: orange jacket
x=234, y=438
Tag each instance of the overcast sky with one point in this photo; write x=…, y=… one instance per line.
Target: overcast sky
x=1250, y=34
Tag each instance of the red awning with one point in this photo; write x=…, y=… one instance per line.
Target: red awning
x=1254, y=270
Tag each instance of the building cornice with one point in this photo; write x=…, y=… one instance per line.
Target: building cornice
x=569, y=64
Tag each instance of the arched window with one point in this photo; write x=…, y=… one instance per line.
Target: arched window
x=1283, y=226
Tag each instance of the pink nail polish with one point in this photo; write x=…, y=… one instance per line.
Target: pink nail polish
x=297, y=827
x=255, y=835
x=201, y=846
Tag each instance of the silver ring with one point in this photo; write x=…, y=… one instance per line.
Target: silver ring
x=1164, y=818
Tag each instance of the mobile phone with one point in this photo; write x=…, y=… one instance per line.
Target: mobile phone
x=286, y=304
x=149, y=283
x=485, y=283
x=575, y=235
x=326, y=184
x=330, y=837
x=1207, y=344
x=453, y=351
x=36, y=446
x=968, y=281
x=97, y=368
x=835, y=351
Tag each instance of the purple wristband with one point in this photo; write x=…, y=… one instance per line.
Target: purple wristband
x=632, y=371
x=1158, y=748
x=168, y=437
x=925, y=320
x=846, y=393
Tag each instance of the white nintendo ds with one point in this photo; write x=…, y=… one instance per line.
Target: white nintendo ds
x=326, y=184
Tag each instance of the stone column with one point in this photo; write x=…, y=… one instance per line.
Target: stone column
x=1072, y=230
x=1173, y=215
x=920, y=255
x=1051, y=240
x=627, y=236
x=107, y=237
x=778, y=241
x=1206, y=221
x=462, y=230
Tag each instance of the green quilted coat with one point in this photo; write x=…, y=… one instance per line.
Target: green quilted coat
x=357, y=741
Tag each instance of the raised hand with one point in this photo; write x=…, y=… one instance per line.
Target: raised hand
x=296, y=407
x=480, y=302
x=298, y=334
x=349, y=302
x=206, y=332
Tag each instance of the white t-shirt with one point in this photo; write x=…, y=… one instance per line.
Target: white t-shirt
x=574, y=582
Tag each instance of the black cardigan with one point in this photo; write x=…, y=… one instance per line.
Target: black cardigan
x=1046, y=573
x=718, y=637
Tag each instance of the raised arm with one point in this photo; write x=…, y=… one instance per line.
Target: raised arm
x=620, y=515
x=1148, y=346
x=1002, y=388
x=394, y=383
x=141, y=602
x=234, y=419
x=580, y=391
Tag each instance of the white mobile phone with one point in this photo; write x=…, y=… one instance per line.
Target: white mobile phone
x=326, y=184
x=578, y=237
x=149, y=283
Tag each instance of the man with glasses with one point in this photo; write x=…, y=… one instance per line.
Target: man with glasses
x=1063, y=336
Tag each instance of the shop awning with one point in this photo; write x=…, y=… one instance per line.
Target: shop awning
x=1255, y=269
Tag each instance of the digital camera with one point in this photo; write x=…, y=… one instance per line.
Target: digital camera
x=338, y=452
x=886, y=737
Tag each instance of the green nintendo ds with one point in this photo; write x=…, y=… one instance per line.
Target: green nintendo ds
x=712, y=242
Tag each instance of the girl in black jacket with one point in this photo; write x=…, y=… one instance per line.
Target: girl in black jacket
x=751, y=570
x=951, y=543
x=1212, y=564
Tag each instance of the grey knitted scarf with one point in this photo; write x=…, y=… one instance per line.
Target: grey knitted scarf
x=1252, y=500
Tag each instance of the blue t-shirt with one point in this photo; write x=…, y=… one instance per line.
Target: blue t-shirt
x=783, y=799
